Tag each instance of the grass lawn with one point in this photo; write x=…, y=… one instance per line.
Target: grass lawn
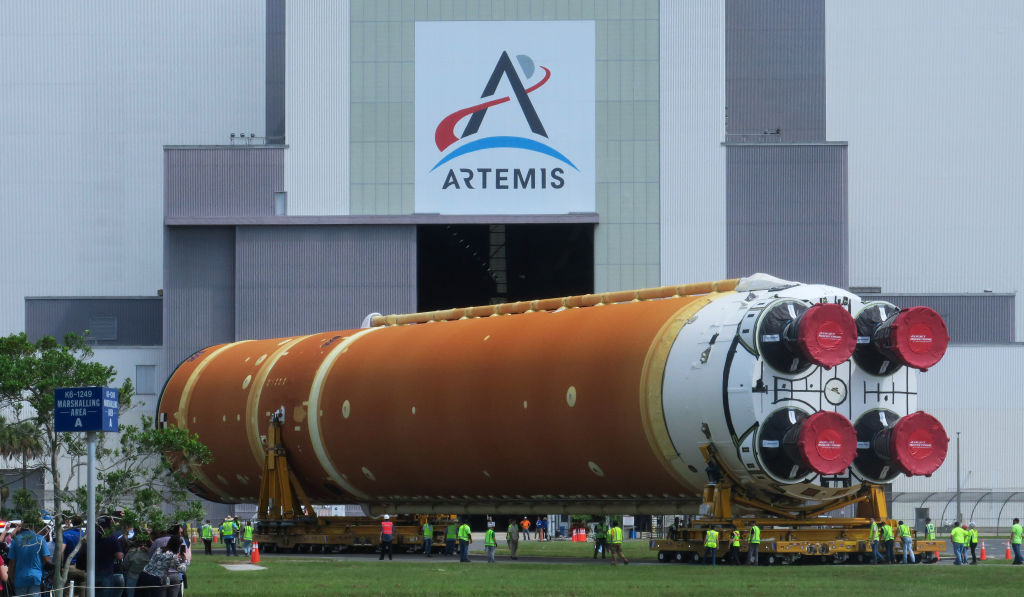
x=299, y=576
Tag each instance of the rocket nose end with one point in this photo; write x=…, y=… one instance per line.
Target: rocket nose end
x=918, y=337
x=918, y=444
x=827, y=442
x=827, y=335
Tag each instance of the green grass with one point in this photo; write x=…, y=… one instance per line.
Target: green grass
x=301, y=576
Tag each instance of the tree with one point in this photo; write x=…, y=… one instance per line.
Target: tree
x=134, y=475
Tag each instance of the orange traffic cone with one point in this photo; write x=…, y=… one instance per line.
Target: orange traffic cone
x=216, y=537
x=1008, y=556
x=254, y=555
x=938, y=558
x=983, y=556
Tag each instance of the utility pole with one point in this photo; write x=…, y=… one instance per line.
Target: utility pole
x=959, y=513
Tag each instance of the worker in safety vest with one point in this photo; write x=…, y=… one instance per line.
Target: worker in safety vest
x=873, y=536
x=888, y=538
x=956, y=535
x=512, y=538
x=449, y=538
x=753, y=544
x=428, y=538
x=247, y=538
x=600, y=540
x=711, y=546
x=206, y=533
x=490, y=544
x=907, y=541
x=929, y=529
x=465, y=538
x=387, y=537
x=227, y=533
x=1016, y=536
x=734, y=547
x=972, y=541
x=614, y=543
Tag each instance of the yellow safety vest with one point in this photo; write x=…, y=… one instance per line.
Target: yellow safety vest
x=711, y=539
x=929, y=530
x=207, y=531
x=615, y=534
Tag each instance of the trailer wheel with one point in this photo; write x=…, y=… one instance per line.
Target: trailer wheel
x=679, y=557
x=662, y=557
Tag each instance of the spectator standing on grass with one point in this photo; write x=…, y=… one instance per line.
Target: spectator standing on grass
x=600, y=540
x=26, y=555
x=109, y=552
x=135, y=561
x=154, y=579
x=1016, y=536
x=512, y=538
x=907, y=541
x=614, y=543
x=490, y=544
x=428, y=538
x=525, y=524
x=753, y=544
x=465, y=538
x=450, y=536
x=387, y=535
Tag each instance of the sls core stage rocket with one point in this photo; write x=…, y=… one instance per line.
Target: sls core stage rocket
x=615, y=402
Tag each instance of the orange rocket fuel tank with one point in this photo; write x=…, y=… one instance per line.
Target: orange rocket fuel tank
x=558, y=403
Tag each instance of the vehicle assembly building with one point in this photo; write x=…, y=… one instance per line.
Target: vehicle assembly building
x=186, y=179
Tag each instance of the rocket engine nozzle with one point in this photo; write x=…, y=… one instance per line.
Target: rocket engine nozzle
x=890, y=337
x=792, y=443
x=794, y=335
x=888, y=445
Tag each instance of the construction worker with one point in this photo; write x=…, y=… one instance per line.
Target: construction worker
x=929, y=529
x=673, y=529
x=206, y=532
x=490, y=544
x=956, y=535
x=247, y=538
x=874, y=535
x=600, y=544
x=387, y=537
x=227, y=534
x=614, y=543
x=888, y=539
x=1016, y=534
x=734, y=547
x=512, y=538
x=711, y=546
x=907, y=541
x=753, y=543
x=465, y=538
x=449, y=538
x=428, y=538
x=972, y=540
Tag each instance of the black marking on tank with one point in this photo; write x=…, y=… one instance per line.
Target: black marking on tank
x=725, y=386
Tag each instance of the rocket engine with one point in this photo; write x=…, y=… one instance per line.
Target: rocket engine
x=597, y=403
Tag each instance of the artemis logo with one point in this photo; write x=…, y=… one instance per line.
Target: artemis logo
x=504, y=117
x=444, y=135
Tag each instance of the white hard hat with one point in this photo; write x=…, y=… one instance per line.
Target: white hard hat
x=386, y=517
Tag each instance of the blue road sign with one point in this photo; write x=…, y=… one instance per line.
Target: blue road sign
x=85, y=409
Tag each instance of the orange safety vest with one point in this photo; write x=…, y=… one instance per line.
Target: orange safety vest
x=387, y=527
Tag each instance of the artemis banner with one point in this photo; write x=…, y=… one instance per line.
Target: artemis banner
x=505, y=117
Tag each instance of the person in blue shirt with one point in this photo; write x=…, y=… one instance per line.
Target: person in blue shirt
x=28, y=553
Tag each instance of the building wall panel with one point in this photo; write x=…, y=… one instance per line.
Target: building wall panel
x=775, y=65
x=92, y=91
x=137, y=321
x=301, y=280
x=926, y=93
x=318, y=88
x=692, y=158
x=970, y=319
x=222, y=181
x=199, y=290
x=787, y=212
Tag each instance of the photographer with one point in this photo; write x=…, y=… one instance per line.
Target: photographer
x=155, y=576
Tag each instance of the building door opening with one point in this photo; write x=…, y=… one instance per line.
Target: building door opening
x=485, y=264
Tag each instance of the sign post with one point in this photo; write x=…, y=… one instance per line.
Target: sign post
x=87, y=410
